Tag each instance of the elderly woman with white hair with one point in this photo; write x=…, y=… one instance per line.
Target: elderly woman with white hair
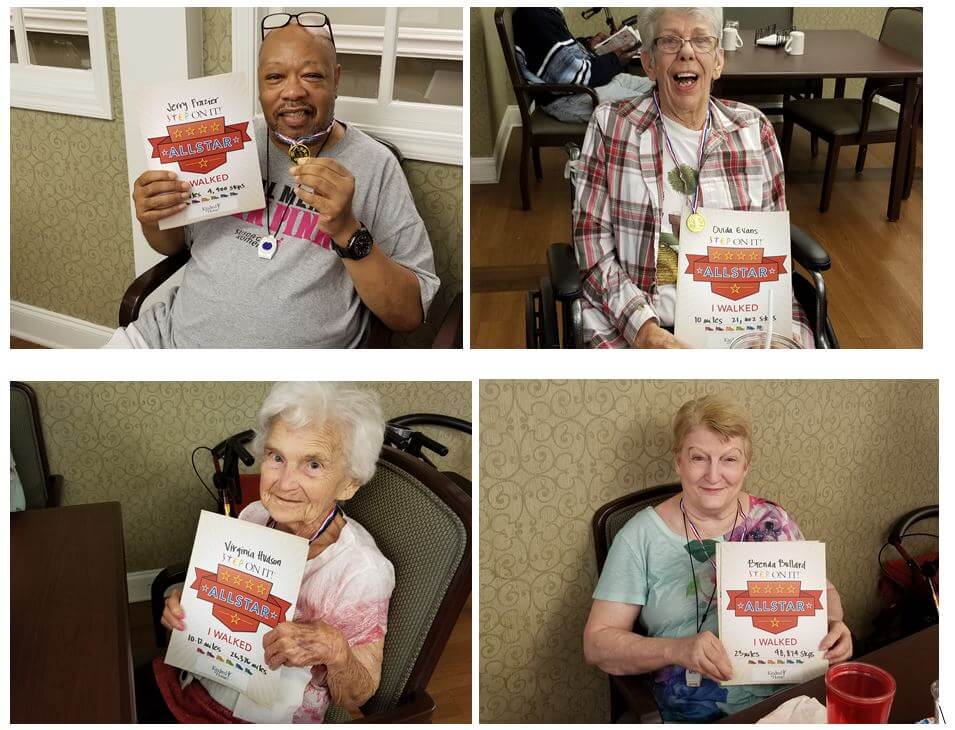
x=318, y=445
x=644, y=160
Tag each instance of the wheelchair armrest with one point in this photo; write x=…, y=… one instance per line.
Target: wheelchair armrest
x=450, y=334
x=166, y=578
x=146, y=283
x=807, y=251
x=564, y=272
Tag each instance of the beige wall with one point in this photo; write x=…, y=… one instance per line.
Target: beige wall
x=494, y=90
x=482, y=135
x=131, y=443
x=845, y=458
x=71, y=232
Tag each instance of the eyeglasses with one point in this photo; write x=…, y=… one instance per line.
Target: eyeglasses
x=314, y=22
x=674, y=44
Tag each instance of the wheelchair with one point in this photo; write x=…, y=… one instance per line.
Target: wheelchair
x=553, y=313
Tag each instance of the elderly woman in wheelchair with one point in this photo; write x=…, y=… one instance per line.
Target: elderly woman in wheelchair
x=319, y=444
x=651, y=574
x=645, y=159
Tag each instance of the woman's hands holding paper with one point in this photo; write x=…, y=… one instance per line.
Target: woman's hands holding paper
x=172, y=613
x=704, y=653
x=301, y=644
x=837, y=644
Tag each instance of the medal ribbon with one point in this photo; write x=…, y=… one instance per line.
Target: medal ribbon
x=666, y=137
x=329, y=518
x=310, y=139
x=699, y=537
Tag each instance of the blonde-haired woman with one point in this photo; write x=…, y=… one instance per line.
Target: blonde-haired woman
x=653, y=574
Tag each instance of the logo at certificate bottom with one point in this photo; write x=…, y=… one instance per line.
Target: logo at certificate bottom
x=774, y=605
x=200, y=147
x=735, y=273
x=239, y=600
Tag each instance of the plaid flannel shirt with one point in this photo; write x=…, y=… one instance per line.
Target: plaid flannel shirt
x=619, y=193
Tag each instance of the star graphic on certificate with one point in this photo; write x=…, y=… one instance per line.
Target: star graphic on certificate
x=250, y=584
x=261, y=589
x=177, y=134
x=735, y=288
x=715, y=256
x=774, y=623
x=202, y=129
x=204, y=164
x=234, y=618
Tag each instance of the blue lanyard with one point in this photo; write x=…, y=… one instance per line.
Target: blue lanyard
x=666, y=137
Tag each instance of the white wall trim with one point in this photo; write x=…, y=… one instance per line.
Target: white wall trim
x=52, y=329
x=139, y=585
x=486, y=170
x=244, y=52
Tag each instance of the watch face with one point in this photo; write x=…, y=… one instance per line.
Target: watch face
x=360, y=243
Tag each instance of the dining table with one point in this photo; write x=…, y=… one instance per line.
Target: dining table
x=839, y=55
x=70, y=646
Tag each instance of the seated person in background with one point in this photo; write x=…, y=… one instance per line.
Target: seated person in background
x=548, y=53
x=317, y=444
x=630, y=190
x=349, y=239
x=647, y=575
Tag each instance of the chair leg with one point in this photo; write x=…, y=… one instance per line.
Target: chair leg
x=832, y=161
x=860, y=158
x=787, y=138
x=538, y=173
x=910, y=169
x=814, y=145
x=525, y=191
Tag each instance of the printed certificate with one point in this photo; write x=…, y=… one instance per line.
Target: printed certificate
x=243, y=581
x=200, y=130
x=772, y=612
x=729, y=263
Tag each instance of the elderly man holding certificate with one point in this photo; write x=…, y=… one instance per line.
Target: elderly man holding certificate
x=661, y=571
x=651, y=166
x=339, y=237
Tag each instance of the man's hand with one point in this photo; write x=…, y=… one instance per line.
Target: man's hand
x=157, y=195
x=333, y=189
x=298, y=644
x=837, y=644
x=704, y=653
x=653, y=336
x=597, y=39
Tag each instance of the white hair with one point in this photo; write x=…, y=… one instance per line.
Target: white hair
x=356, y=412
x=647, y=24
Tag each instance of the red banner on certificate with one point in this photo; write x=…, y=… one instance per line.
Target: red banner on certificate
x=239, y=600
x=774, y=606
x=200, y=146
x=735, y=273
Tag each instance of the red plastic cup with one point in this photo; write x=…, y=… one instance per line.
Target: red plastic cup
x=858, y=693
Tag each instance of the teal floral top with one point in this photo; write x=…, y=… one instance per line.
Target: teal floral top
x=647, y=566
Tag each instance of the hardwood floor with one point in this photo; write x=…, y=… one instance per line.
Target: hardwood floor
x=450, y=685
x=875, y=284
x=17, y=344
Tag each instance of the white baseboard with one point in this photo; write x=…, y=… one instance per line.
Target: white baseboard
x=52, y=329
x=488, y=169
x=139, y=585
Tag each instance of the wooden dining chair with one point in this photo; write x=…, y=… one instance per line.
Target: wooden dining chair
x=850, y=122
x=633, y=694
x=538, y=129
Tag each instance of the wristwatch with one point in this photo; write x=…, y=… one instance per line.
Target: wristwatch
x=359, y=245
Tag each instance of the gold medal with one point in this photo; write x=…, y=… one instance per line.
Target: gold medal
x=695, y=222
x=297, y=151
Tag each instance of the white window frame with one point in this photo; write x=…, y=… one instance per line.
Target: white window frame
x=429, y=132
x=80, y=92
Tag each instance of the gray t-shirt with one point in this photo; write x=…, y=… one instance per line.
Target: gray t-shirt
x=303, y=297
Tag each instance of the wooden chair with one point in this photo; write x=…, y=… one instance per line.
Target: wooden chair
x=421, y=521
x=848, y=122
x=538, y=129
x=633, y=693
x=449, y=334
x=28, y=450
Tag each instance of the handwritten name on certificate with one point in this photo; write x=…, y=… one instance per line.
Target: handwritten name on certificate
x=243, y=581
x=202, y=131
x=772, y=610
x=729, y=263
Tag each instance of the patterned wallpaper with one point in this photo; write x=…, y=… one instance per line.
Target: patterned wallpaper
x=482, y=136
x=216, y=41
x=70, y=234
x=131, y=442
x=845, y=458
x=77, y=259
